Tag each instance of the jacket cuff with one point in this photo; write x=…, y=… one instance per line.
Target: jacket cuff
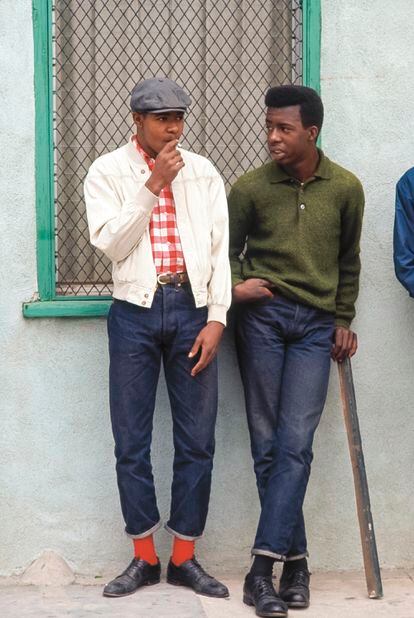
x=217, y=313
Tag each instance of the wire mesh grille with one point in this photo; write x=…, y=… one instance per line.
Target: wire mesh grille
x=225, y=53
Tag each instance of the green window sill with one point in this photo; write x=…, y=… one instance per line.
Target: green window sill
x=68, y=308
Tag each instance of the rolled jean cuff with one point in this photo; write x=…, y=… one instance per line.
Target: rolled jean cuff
x=279, y=557
x=183, y=537
x=297, y=557
x=146, y=533
x=270, y=554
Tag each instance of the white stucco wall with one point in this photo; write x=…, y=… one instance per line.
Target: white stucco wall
x=57, y=482
x=367, y=86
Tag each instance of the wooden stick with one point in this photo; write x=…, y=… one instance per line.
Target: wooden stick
x=366, y=526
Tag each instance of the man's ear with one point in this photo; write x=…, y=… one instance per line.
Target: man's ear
x=137, y=117
x=313, y=133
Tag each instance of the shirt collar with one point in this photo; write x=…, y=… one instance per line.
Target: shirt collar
x=148, y=160
x=323, y=170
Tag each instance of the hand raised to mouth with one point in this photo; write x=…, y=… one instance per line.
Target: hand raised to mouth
x=168, y=163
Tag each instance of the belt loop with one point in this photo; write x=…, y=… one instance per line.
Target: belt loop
x=177, y=282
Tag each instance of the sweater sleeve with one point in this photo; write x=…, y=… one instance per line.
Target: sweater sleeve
x=240, y=217
x=348, y=260
x=404, y=232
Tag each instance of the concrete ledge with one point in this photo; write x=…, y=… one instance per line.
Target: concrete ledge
x=333, y=595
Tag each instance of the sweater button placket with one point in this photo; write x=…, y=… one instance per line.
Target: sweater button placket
x=301, y=204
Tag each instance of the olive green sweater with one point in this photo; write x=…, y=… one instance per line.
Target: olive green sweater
x=302, y=237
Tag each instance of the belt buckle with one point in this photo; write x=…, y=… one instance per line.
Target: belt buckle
x=163, y=275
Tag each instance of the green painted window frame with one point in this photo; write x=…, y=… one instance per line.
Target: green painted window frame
x=48, y=304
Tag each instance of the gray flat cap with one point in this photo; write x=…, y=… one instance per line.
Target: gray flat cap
x=159, y=94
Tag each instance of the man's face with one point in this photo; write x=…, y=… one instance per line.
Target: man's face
x=154, y=130
x=288, y=140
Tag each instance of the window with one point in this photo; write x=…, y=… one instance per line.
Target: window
x=88, y=56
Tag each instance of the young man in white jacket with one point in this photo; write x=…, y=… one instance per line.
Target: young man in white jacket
x=160, y=214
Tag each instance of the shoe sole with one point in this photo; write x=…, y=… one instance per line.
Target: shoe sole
x=250, y=602
x=112, y=595
x=174, y=582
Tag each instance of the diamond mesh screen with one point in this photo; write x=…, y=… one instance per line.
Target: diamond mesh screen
x=225, y=53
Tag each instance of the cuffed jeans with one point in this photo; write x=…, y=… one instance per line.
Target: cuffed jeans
x=139, y=338
x=284, y=356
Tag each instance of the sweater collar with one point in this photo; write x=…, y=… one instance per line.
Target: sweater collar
x=322, y=171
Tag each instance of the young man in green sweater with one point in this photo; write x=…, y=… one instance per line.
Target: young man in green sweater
x=295, y=226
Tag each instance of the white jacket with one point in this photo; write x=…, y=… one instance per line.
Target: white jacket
x=119, y=207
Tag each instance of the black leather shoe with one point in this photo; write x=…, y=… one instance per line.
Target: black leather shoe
x=259, y=592
x=294, y=588
x=191, y=574
x=138, y=573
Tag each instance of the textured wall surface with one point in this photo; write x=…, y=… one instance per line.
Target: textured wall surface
x=57, y=482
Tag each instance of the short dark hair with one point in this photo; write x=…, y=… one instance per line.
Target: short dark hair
x=311, y=106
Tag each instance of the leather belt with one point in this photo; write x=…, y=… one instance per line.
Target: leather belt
x=172, y=278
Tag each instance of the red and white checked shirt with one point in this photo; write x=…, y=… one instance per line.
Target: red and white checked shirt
x=165, y=239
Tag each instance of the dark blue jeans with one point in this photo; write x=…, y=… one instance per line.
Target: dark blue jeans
x=284, y=357
x=139, y=339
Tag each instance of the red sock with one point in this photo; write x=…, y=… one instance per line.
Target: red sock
x=145, y=549
x=182, y=551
